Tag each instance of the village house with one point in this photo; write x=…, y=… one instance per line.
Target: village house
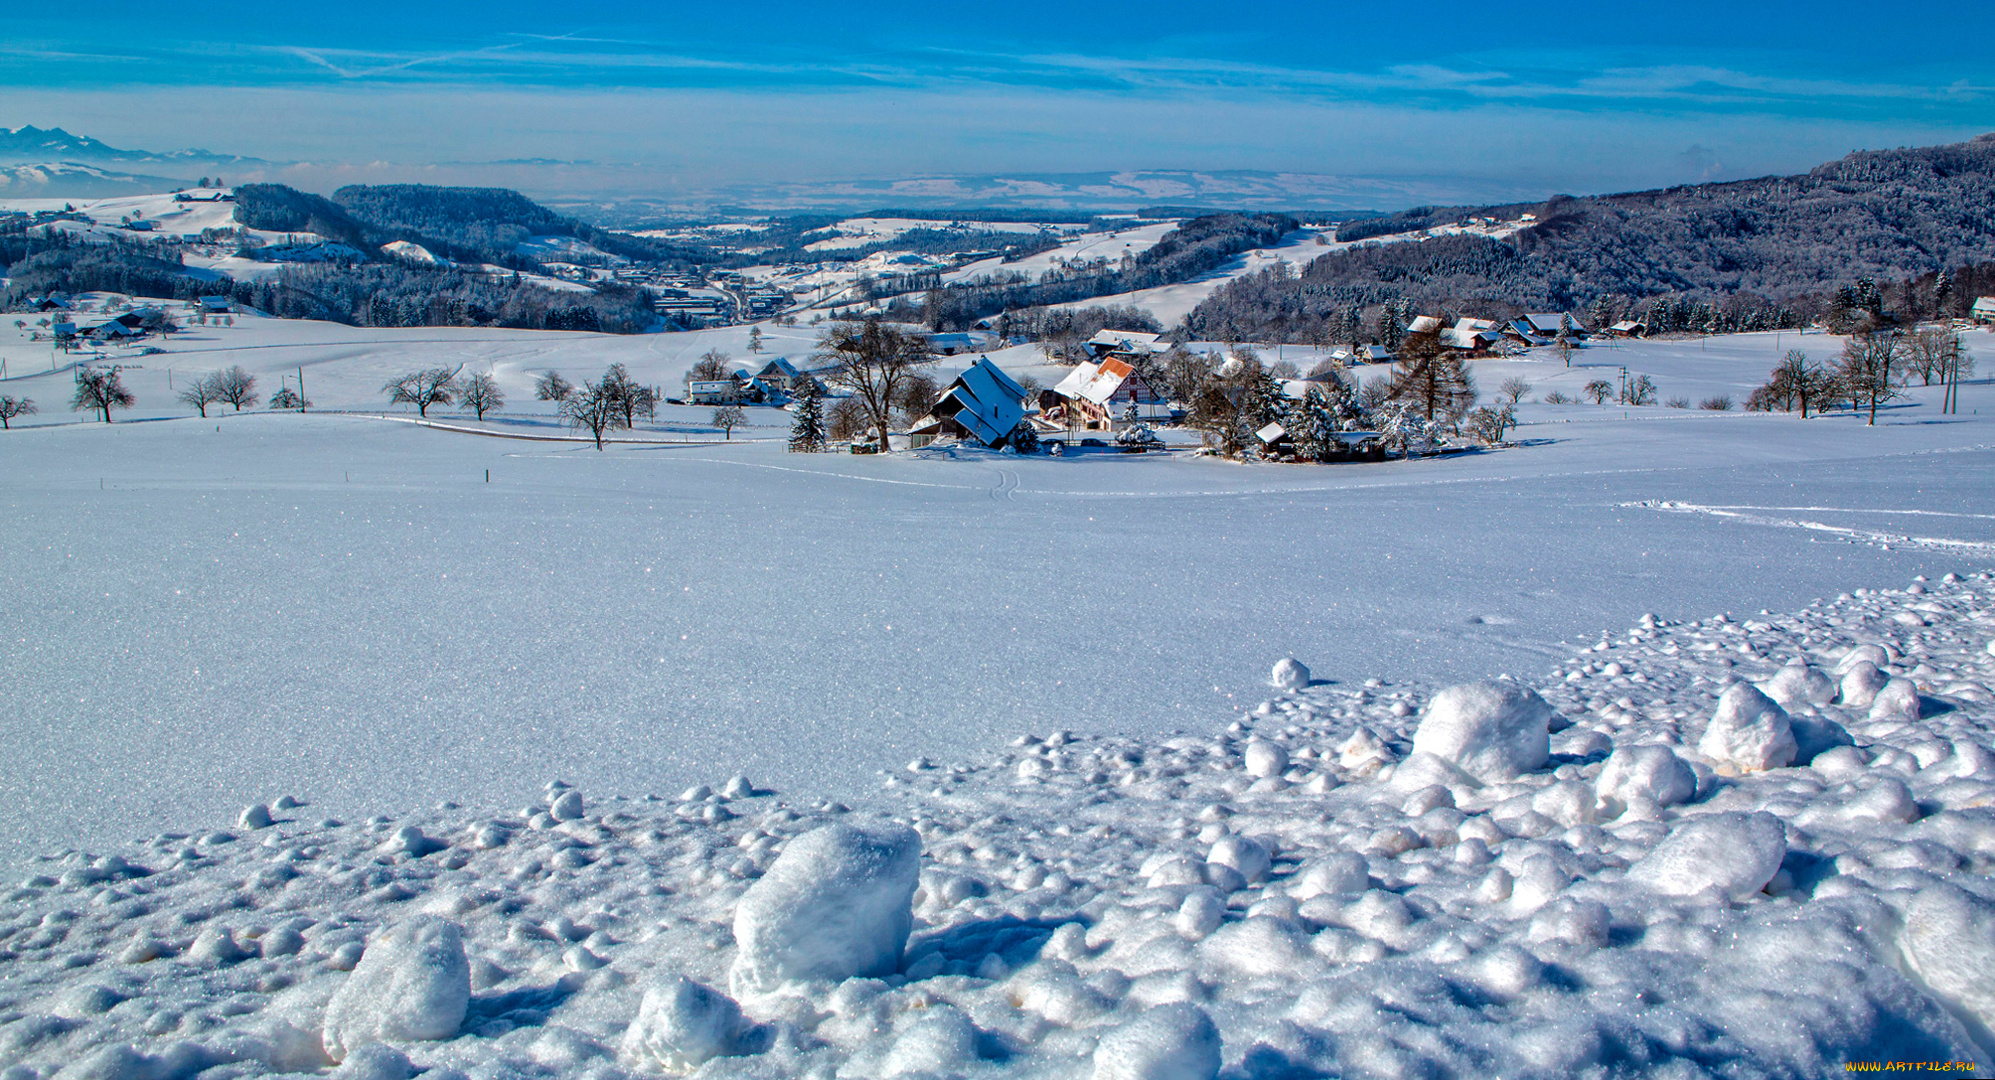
x=1127, y=344
x=713, y=392
x=1983, y=310
x=982, y=405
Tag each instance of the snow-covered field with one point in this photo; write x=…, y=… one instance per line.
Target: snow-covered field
x=1363, y=877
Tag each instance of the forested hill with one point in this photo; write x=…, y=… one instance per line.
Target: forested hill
x=1883, y=215
x=466, y=224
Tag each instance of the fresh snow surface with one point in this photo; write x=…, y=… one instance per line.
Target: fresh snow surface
x=227, y=636
x=1079, y=909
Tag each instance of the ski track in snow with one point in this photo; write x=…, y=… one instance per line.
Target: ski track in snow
x=1738, y=513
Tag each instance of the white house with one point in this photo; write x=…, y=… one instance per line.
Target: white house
x=1983, y=310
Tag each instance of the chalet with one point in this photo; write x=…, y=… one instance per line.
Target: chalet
x=1983, y=310
x=1631, y=328
x=780, y=374
x=983, y=405
x=1123, y=343
x=141, y=225
x=952, y=344
x=1085, y=399
x=1548, y=326
x=1423, y=324
x=216, y=305
x=1373, y=354
x=713, y=392
x=50, y=303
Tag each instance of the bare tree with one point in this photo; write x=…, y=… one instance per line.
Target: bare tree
x=595, y=408
x=632, y=400
x=915, y=397
x=1927, y=352
x=101, y=391
x=203, y=391
x=873, y=360
x=710, y=367
x=1513, y=389
x=1641, y=390
x=11, y=407
x=236, y=387
x=1865, y=370
x=552, y=387
x=430, y=386
x=727, y=418
x=1599, y=390
x=481, y=394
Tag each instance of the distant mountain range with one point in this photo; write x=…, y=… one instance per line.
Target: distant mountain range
x=29, y=145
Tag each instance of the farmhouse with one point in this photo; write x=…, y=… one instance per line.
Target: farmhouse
x=983, y=405
x=1129, y=343
x=1983, y=310
x=713, y=392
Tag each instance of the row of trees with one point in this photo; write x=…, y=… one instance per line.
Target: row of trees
x=1869, y=371
x=232, y=387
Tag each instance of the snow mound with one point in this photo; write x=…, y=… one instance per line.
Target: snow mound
x=838, y=903
x=1653, y=773
x=412, y=983
x=1800, y=684
x=1290, y=674
x=1748, y=733
x=1169, y=1042
x=1736, y=853
x=1949, y=940
x=680, y=1026
x=1494, y=731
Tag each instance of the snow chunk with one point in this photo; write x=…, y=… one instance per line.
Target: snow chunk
x=1290, y=675
x=1652, y=772
x=1736, y=853
x=1949, y=939
x=1494, y=731
x=566, y=806
x=1337, y=874
x=1169, y=1042
x=1897, y=701
x=256, y=816
x=1266, y=759
x=412, y=983
x=1861, y=682
x=680, y=1026
x=1799, y=684
x=1245, y=854
x=1748, y=733
x=837, y=903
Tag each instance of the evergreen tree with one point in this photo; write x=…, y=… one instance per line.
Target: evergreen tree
x=1432, y=379
x=807, y=430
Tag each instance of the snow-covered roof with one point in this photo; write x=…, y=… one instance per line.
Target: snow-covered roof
x=1984, y=305
x=985, y=401
x=1628, y=326
x=1094, y=382
x=1455, y=337
x=779, y=368
x=1122, y=338
x=1423, y=324
x=1474, y=326
x=1548, y=324
x=1271, y=433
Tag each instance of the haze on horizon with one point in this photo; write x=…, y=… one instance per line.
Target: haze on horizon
x=1445, y=101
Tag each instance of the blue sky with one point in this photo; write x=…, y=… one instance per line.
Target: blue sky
x=1492, y=98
